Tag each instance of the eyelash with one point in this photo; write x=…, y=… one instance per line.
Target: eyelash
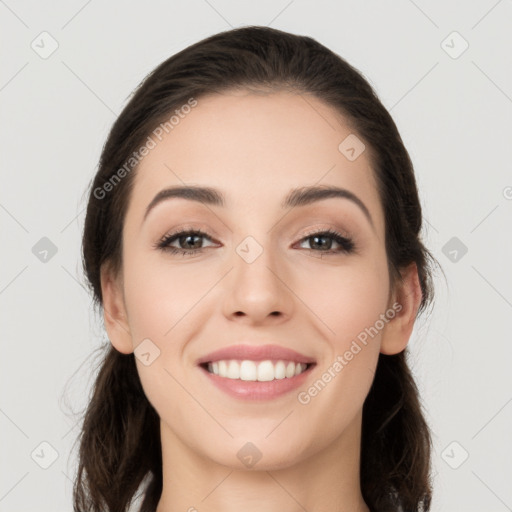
x=347, y=244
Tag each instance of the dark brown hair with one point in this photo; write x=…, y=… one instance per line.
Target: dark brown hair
x=120, y=438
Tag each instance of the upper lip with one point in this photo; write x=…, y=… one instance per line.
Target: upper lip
x=255, y=353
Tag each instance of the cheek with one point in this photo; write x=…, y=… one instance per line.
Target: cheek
x=351, y=351
x=160, y=300
x=160, y=295
x=347, y=299
x=349, y=304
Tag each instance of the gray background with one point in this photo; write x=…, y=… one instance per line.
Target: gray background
x=453, y=109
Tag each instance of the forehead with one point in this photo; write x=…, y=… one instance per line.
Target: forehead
x=255, y=147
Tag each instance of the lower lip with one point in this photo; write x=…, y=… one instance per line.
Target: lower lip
x=255, y=390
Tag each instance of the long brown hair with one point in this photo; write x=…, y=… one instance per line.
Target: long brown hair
x=120, y=438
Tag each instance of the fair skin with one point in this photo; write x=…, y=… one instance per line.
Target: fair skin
x=255, y=148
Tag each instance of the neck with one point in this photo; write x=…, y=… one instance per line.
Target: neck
x=324, y=481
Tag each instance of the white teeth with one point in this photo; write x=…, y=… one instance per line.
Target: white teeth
x=265, y=371
x=233, y=370
x=279, y=370
x=248, y=370
x=254, y=371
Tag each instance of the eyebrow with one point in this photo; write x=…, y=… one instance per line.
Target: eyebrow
x=296, y=197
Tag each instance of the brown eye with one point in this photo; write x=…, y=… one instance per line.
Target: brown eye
x=189, y=242
x=322, y=241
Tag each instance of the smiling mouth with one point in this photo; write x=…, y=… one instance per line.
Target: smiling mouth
x=260, y=371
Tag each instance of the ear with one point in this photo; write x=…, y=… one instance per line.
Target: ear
x=114, y=311
x=405, y=302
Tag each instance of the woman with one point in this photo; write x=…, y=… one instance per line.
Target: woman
x=253, y=239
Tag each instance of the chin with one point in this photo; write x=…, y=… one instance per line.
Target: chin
x=258, y=454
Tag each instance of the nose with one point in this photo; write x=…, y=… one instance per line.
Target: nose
x=257, y=291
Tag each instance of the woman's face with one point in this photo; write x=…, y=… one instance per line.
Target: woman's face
x=258, y=276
